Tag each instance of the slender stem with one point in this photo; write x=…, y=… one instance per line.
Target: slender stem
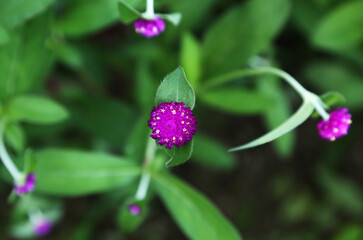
x=143, y=186
x=318, y=104
x=305, y=94
x=259, y=71
x=149, y=13
x=145, y=177
x=5, y=156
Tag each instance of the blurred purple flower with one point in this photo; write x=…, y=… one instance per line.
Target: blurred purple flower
x=172, y=124
x=134, y=209
x=42, y=227
x=149, y=28
x=28, y=186
x=336, y=126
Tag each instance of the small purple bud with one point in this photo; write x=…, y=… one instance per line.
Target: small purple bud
x=28, y=186
x=149, y=28
x=134, y=209
x=172, y=124
x=336, y=126
x=42, y=227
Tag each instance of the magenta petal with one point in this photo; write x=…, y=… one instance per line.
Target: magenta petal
x=149, y=28
x=43, y=227
x=172, y=124
x=28, y=186
x=336, y=126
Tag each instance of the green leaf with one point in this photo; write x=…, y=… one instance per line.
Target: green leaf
x=128, y=222
x=196, y=216
x=175, y=87
x=350, y=232
x=330, y=99
x=137, y=139
x=173, y=18
x=227, y=47
x=191, y=59
x=36, y=109
x=4, y=37
x=86, y=17
x=212, y=153
x=179, y=155
x=342, y=27
x=127, y=13
x=237, y=100
x=15, y=136
x=277, y=113
x=330, y=76
x=72, y=172
x=295, y=120
x=145, y=85
x=112, y=125
x=67, y=53
x=24, y=60
x=15, y=12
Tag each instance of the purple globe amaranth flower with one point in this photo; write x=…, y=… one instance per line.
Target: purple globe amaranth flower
x=172, y=124
x=149, y=28
x=42, y=227
x=134, y=209
x=336, y=126
x=28, y=186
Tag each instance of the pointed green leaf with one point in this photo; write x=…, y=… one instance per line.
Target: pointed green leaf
x=24, y=59
x=127, y=13
x=212, y=154
x=342, y=27
x=191, y=59
x=3, y=36
x=72, y=172
x=15, y=136
x=179, y=155
x=193, y=212
x=175, y=87
x=173, y=18
x=227, y=47
x=15, y=12
x=295, y=120
x=36, y=109
x=86, y=17
x=237, y=100
x=277, y=113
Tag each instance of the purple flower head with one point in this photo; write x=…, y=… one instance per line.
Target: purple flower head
x=42, y=227
x=336, y=126
x=149, y=28
x=28, y=186
x=134, y=209
x=172, y=124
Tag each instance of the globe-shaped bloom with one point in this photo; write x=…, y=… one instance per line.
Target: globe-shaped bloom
x=28, y=186
x=149, y=28
x=336, y=126
x=42, y=227
x=172, y=124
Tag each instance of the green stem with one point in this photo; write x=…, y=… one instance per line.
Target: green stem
x=149, y=13
x=14, y=172
x=145, y=177
x=305, y=94
x=254, y=72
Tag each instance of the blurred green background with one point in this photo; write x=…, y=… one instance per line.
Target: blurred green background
x=300, y=187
